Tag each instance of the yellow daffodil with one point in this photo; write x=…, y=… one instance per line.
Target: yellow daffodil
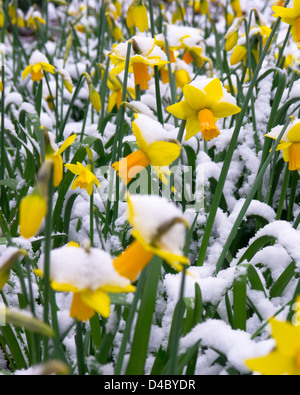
x=93, y=94
x=89, y=274
x=85, y=178
x=236, y=6
x=158, y=229
x=285, y=358
x=54, y=153
x=34, y=19
x=144, y=53
x=114, y=27
x=115, y=98
x=291, y=16
x=16, y=15
x=240, y=50
x=205, y=101
x=137, y=16
x=194, y=51
x=156, y=147
x=290, y=144
x=7, y=260
x=1, y=86
x=33, y=209
x=37, y=63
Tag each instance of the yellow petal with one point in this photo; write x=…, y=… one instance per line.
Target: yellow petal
x=59, y=287
x=140, y=17
x=133, y=260
x=273, y=364
x=214, y=92
x=192, y=127
x=195, y=97
x=294, y=133
x=33, y=209
x=163, y=153
x=75, y=169
x=26, y=72
x=79, y=309
x=70, y=140
x=287, y=337
x=182, y=110
x=224, y=109
x=98, y=301
x=47, y=67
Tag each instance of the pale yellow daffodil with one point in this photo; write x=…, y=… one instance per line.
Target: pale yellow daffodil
x=137, y=16
x=85, y=178
x=37, y=64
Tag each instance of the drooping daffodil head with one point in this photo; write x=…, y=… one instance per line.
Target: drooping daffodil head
x=205, y=101
x=38, y=63
x=157, y=147
x=159, y=228
x=89, y=274
x=143, y=53
x=289, y=144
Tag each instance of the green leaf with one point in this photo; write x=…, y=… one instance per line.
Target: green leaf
x=282, y=282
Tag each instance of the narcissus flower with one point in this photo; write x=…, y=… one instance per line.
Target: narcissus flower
x=85, y=178
x=116, y=88
x=290, y=144
x=89, y=274
x=137, y=15
x=33, y=209
x=38, y=63
x=205, y=101
x=194, y=50
x=156, y=147
x=236, y=6
x=285, y=358
x=144, y=53
x=291, y=16
x=34, y=19
x=54, y=153
x=159, y=228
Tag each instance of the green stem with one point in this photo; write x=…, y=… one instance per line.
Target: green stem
x=79, y=349
x=2, y=138
x=92, y=220
x=229, y=155
x=248, y=201
x=46, y=268
x=283, y=191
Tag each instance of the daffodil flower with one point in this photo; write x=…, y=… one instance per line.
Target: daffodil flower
x=34, y=19
x=236, y=6
x=156, y=147
x=33, y=209
x=159, y=228
x=38, y=62
x=87, y=273
x=116, y=88
x=54, y=153
x=290, y=144
x=137, y=16
x=144, y=53
x=291, y=16
x=205, y=101
x=85, y=178
x=193, y=46
x=285, y=358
